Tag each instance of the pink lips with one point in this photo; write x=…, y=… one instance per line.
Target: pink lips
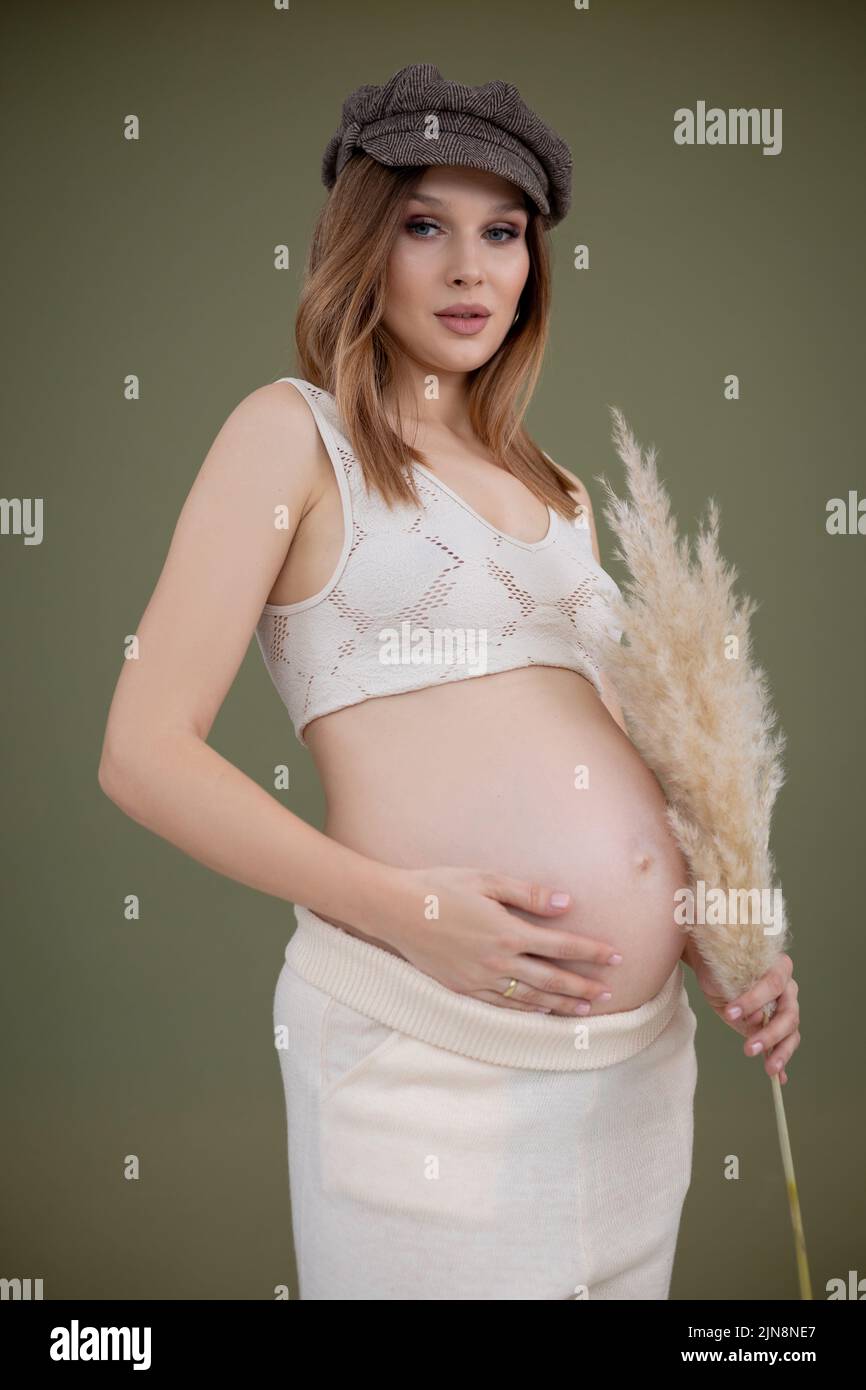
x=462, y=324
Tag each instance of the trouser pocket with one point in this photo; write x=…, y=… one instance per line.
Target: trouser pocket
x=350, y=1043
x=410, y=1128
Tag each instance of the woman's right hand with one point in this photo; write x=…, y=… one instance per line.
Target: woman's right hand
x=452, y=923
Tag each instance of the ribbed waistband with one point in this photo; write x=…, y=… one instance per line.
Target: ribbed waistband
x=394, y=992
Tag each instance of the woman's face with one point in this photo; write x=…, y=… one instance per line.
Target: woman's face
x=462, y=240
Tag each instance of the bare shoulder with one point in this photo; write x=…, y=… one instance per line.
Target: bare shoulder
x=270, y=443
x=283, y=399
x=278, y=411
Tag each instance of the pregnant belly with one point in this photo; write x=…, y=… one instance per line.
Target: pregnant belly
x=523, y=773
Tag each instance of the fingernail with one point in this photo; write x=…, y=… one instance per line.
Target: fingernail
x=733, y=1011
x=755, y=1048
x=607, y=995
x=615, y=959
x=559, y=899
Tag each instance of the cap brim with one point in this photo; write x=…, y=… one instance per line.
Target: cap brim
x=468, y=151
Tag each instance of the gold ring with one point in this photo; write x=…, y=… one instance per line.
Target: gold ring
x=507, y=993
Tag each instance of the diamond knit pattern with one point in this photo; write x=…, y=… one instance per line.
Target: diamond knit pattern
x=419, y=598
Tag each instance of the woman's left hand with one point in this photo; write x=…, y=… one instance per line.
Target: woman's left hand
x=781, y=1036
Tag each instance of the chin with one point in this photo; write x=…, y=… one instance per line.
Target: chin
x=462, y=357
x=432, y=355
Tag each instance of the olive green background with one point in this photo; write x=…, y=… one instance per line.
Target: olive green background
x=155, y=257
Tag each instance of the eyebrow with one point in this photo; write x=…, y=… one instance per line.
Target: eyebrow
x=508, y=206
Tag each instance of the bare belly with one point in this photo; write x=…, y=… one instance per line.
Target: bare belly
x=485, y=772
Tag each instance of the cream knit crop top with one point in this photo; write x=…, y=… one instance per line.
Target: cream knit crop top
x=423, y=597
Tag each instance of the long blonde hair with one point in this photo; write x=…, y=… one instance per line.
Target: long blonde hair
x=344, y=348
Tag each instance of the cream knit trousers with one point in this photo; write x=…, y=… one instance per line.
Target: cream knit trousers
x=443, y=1148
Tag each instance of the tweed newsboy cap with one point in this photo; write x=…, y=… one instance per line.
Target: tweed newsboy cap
x=488, y=127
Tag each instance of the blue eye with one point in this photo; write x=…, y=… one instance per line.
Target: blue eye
x=412, y=227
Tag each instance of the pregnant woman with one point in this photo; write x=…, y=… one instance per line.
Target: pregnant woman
x=481, y=1023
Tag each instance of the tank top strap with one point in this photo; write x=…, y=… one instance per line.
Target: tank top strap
x=346, y=466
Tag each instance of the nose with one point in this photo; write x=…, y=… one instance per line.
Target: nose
x=465, y=269
x=467, y=278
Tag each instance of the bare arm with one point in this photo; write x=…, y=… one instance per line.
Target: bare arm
x=156, y=764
